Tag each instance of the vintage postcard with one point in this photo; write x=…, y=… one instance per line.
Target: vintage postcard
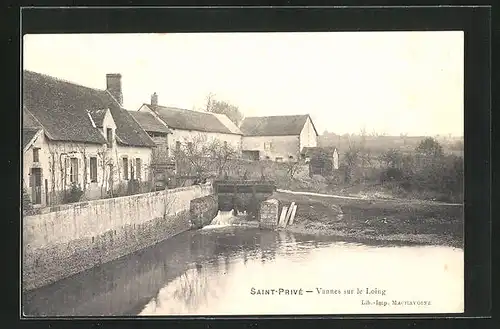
x=243, y=173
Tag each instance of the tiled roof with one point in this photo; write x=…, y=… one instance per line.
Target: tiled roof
x=190, y=120
x=29, y=120
x=61, y=108
x=98, y=116
x=308, y=151
x=282, y=125
x=149, y=123
x=128, y=131
x=28, y=135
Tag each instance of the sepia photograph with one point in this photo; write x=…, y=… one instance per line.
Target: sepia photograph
x=257, y=173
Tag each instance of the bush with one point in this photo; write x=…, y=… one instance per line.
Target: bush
x=74, y=194
x=391, y=174
x=439, y=178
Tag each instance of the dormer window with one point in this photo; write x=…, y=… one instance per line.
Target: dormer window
x=109, y=137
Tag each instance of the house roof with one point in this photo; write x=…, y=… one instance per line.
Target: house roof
x=98, y=116
x=28, y=135
x=183, y=119
x=128, y=130
x=279, y=125
x=308, y=151
x=63, y=108
x=29, y=121
x=228, y=123
x=149, y=122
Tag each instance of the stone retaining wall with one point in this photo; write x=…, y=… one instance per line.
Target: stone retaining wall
x=65, y=240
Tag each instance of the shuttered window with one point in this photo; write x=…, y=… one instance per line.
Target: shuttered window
x=138, y=167
x=93, y=169
x=125, y=168
x=74, y=170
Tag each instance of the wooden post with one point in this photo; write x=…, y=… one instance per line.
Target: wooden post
x=294, y=210
x=281, y=222
x=289, y=213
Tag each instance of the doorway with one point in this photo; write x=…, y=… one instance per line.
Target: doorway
x=36, y=187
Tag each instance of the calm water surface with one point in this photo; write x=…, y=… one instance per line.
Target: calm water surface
x=214, y=272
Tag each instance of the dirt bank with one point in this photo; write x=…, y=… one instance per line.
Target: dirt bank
x=388, y=220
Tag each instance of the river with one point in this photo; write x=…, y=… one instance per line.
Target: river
x=232, y=271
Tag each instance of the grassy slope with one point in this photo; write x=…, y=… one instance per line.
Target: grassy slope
x=411, y=221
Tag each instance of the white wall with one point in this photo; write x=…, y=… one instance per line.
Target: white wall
x=308, y=137
x=108, y=122
x=43, y=164
x=185, y=136
x=132, y=153
x=58, y=173
x=78, y=220
x=280, y=146
x=53, y=163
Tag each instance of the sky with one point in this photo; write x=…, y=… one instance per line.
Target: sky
x=384, y=82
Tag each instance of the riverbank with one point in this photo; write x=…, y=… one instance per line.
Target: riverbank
x=407, y=221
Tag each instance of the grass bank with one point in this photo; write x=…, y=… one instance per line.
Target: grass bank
x=411, y=221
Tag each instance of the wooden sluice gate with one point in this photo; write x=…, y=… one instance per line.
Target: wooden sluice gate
x=243, y=195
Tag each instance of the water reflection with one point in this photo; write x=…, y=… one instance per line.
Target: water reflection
x=212, y=272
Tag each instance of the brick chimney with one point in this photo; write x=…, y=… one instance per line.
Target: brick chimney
x=114, y=86
x=154, y=99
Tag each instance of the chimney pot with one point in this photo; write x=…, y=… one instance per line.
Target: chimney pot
x=114, y=86
x=154, y=99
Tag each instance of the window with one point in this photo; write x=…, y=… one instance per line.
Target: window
x=225, y=144
x=279, y=159
x=93, y=170
x=109, y=137
x=111, y=175
x=178, y=146
x=125, y=168
x=267, y=145
x=138, y=168
x=190, y=145
x=73, y=170
x=36, y=155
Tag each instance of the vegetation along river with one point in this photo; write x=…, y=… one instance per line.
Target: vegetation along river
x=247, y=271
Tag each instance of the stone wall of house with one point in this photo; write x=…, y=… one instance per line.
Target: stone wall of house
x=64, y=240
x=275, y=148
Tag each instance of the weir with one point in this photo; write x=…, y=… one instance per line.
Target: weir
x=243, y=195
x=228, y=218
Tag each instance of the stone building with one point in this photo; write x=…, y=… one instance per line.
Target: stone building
x=277, y=138
x=79, y=136
x=186, y=126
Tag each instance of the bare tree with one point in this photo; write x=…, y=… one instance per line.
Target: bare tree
x=202, y=157
x=351, y=159
x=292, y=168
x=404, y=137
x=222, y=107
x=221, y=153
